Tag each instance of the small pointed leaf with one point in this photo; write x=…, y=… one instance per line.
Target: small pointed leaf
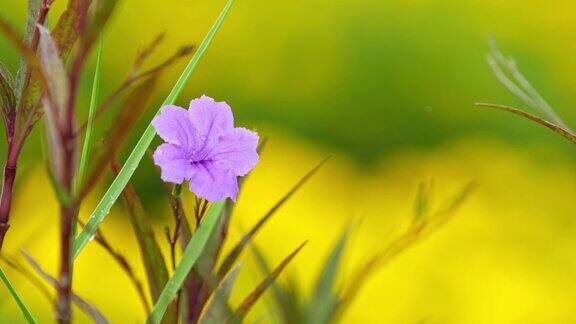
x=23, y=308
x=253, y=297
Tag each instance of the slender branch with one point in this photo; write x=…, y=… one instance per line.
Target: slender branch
x=87, y=308
x=7, y=192
x=556, y=128
x=68, y=142
x=13, y=149
x=134, y=78
x=29, y=275
x=178, y=212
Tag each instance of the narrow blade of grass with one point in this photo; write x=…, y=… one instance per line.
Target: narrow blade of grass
x=249, y=301
x=189, y=258
x=139, y=150
x=247, y=238
x=324, y=301
x=25, y=311
x=90, y=123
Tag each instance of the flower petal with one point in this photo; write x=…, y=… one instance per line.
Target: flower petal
x=174, y=126
x=213, y=181
x=237, y=150
x=173, y=163
x=209, y=119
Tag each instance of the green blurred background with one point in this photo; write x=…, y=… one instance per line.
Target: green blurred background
x=387, y=88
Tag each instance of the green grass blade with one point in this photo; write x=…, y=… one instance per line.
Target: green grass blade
x=90, y=123
x=189, y=258
x=27, y=314
x=324, y=301
x=139, y=150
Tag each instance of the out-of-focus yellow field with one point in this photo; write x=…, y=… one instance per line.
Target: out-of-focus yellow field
x=508, y=257
x=387, y=89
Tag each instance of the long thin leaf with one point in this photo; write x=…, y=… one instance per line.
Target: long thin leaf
x=84, y=158
x=66, y=31
x=253, y=297
x=139, y=150
x=556, y=128
x=324, y=301
x=503, y=67
x=247, y=238
x=25, y=311
x=189, y=258
x=30, y=58
x=34, y=7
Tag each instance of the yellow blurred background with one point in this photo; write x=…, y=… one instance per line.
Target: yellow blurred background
x=387, y=88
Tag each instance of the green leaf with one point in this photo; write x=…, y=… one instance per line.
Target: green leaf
x=66, y=31
x=189, y=258
x=85, y=157
x=217, y=309
x=25, y=311
x=7, y=96
x=324, y=300
x=253, y=297
x=139, y=150
x=247, y=238
x=31, y=21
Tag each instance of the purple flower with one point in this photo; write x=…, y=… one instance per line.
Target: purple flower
x=203, y=147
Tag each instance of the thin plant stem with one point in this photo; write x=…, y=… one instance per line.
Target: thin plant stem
x=13, y=150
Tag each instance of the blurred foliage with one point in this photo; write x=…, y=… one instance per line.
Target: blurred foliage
x=400, y=74
x=388, y=84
